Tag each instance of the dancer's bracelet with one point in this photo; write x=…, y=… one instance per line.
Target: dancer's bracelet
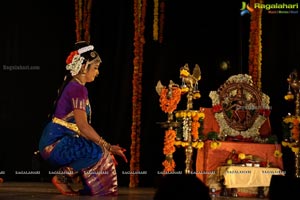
x=104, y=144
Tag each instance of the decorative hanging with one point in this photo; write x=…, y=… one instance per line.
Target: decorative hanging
x=158, y=20
x=255, y=44
x=155, y=19
x=139, y=41
x=161, y=20
x=83, y=19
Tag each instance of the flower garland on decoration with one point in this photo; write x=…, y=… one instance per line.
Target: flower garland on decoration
x=169, y=140
x=169, y=98
x=196, y=118
x=292, y=145
x=168, y=150
x=169, y=104
x=255, y=44
x=158, y=20
x=195, y=127
x=83, y=19
x=139, y=41
x=161, y=20
x=155, y=20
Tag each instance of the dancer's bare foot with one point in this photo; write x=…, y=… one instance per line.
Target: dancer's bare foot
x=63, y=187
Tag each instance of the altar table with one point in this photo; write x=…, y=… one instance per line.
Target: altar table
x=240, y=176
x=209, y=159
x=236, y=178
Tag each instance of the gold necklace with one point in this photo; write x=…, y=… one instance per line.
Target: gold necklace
x=78, y=81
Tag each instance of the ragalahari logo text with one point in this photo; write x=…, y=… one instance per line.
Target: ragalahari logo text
x=246, y=9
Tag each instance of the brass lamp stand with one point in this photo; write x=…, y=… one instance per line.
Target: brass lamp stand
x=188, y=139
x=189, y=87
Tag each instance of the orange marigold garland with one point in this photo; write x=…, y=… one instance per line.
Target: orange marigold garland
x=168, y=150
x=161, y=20
x=169, y=140
x=158, y=20
x=155, y=19
x=255, y=44
x=169, y=98
x=169, y=165
x=169, y=104
x=82, y=19
x=295, y=129
x=77, y=23
x=195, y=127
x=87, y=24
x=139, y=41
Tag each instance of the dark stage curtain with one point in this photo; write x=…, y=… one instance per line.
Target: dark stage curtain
x=42, y=33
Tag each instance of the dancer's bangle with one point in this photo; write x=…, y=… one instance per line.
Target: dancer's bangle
x=104, y=144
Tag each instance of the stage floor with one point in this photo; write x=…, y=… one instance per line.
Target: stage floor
x=46, y=191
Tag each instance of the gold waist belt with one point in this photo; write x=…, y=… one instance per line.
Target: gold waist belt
x=68, y=125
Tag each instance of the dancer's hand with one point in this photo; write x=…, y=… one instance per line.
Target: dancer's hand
x=117, y=150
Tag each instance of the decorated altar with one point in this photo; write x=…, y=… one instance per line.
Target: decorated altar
x=235, y=131
x=239, y=117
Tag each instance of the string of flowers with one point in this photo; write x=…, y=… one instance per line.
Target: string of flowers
x=295, y=129
x=88, y=20
x=158, y=19
x=195, y=127
x=291, y=123
x=255, y=45
x=161, y=20
x=139, y=41
x=77, y=22
x=168, y=105
x=168, y=150
x=169, y=98
x=155, y=20
x=183, y=117
x=82, y=19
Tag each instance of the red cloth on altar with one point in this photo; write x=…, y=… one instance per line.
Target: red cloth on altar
x=209, y=159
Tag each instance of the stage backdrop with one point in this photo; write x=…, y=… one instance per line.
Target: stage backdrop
x=40, y=35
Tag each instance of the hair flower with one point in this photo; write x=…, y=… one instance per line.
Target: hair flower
x=71, y=56
x=74, y=63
